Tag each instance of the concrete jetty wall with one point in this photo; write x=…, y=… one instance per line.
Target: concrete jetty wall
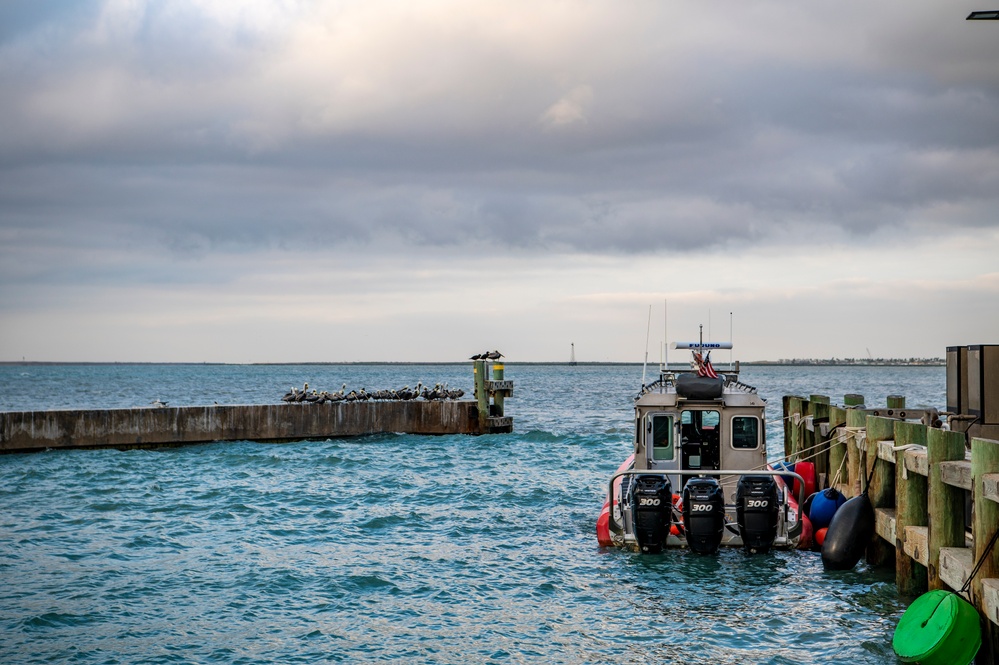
x=23, y=431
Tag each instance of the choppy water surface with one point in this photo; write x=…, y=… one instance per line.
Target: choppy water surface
x=397, y=548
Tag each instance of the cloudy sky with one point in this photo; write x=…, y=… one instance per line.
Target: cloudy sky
x=302, y=180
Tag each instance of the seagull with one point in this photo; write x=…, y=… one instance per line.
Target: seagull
x=158, y=404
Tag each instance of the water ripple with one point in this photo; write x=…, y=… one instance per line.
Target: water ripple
x=394, y=548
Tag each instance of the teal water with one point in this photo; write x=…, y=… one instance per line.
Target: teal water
x=397, y=548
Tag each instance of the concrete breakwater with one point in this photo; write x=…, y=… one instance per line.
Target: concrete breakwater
x=25, y=431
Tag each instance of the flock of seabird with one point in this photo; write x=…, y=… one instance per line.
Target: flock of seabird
x=488, y=355
x=438, y=392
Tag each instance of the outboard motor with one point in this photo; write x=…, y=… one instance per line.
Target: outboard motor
x=757, y=511
x=652, y=509
x=703, y=514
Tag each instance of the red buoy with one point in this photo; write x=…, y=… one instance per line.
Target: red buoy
x=820, y=536
x=807, y=471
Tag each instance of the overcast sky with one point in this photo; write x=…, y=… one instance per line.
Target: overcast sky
x=294, y=180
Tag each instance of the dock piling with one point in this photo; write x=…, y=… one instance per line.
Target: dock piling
x=917, y=477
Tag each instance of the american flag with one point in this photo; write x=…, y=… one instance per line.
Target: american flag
x=704, y=367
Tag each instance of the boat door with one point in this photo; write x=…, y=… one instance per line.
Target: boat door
x=700, y=439
x=660, y=430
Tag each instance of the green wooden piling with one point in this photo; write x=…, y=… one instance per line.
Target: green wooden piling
x=856, y=420
x=820, y=444
x=792, y=426
x=499, y=395
x=853, y=399
x=481, y=396
x=881, y=490
x=896, y=401
x=806, y=437
x=910, y=510
x=786, y=411
x=985, y=459
x=945, y=502
x=837, y=450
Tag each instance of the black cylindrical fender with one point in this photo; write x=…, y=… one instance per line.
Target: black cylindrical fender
x=849, y=533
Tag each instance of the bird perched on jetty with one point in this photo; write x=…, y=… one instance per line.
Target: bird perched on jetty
x=158, y=404
x=494, y=355
x=440, y=391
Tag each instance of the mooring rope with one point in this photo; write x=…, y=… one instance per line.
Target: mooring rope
x=981, y=561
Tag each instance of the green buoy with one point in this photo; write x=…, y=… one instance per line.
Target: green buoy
x=939, y=628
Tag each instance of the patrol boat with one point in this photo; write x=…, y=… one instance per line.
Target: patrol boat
x=698, y=477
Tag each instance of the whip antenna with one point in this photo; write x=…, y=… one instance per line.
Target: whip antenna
x=648, y=329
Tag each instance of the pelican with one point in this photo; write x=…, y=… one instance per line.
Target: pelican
x=494, y=355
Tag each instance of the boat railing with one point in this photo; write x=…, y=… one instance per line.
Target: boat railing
x=735, y=384
x=664, y=381
x=617, y=528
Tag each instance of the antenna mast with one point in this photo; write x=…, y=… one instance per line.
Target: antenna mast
x=648, y=329
x=730, y=340
x=666, y=335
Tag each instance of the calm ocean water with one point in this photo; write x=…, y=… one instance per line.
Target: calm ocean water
x=398, y=548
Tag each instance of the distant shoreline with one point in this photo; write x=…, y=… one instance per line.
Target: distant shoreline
x=921, y=362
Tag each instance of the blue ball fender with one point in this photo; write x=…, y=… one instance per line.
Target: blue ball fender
x=824, y=506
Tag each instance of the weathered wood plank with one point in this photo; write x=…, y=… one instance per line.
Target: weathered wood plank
x=915, y=460
x=886, y=450
x=957, y=473
x=884, y=523
x=916, y=543
x=990, y=486
x=990, y=588
x=955, y=565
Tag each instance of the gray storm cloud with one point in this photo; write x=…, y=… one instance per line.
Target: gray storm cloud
x=450, y=125
x=157, y=142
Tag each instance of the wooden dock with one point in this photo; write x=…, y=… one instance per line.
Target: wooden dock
x=935, y=493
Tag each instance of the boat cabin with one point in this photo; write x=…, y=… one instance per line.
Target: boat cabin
x=695, y=423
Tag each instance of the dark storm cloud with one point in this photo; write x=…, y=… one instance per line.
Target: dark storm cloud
x=192, y=132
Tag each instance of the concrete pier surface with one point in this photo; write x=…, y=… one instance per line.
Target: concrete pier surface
x=25, y=431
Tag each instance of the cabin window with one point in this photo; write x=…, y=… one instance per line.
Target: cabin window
x=745, y=432
x=700, y=426
x=660, y=437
